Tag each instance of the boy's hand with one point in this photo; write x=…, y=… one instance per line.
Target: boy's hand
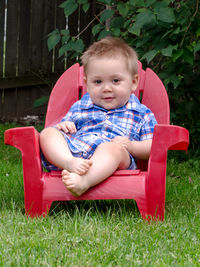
x=138, y=149
x=67, y=127
x=124, y=141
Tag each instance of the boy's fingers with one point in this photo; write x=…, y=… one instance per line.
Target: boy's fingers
x=71, y=127
x=67, y=127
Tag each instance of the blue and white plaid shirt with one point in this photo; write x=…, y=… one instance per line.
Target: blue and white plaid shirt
x=96, y=125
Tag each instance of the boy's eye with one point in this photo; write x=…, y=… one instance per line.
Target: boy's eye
x=97, y=81
x=116, y=80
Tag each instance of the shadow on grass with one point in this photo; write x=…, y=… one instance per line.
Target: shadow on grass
x=95, y=207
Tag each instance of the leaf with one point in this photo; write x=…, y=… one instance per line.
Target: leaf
x=135, y=29
x=103, y=34
x=149, y=55
x=166, y=14
x=150, y=2
x=107, y=2
x=117, y=22
x=137, y=3
x=62, y=50
x=188, y=56
x=198, y=32
x=107, y=14
x=176, y=31
x=78, y=46
x=176, y=55
x=65, y=32
x=53, y=39
x=68, y=47
x=174, y=80
x=116, y=31
x=167, y=52
x=123, y=9
x=82, y=2
x=69, y=7
x=40, y=101
x=96, y=29
x=65, y=36
x=145, y=18
x=86, y=7
x=197, y=47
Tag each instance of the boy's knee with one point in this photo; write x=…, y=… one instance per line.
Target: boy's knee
x=112, y=147
x=46, y=132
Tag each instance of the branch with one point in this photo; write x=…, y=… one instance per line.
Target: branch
x=194, y=15
x=96, y=17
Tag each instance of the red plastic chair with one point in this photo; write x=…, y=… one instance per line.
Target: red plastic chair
x=146, y=185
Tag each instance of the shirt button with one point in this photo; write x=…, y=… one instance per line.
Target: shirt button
x=108, y=122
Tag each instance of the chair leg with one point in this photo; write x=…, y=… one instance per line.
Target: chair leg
x=38, y=209
x=151, y=213
x=46, y=208
x=142, y=207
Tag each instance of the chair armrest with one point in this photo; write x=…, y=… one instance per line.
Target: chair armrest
x=169, y=137
x=166, y=137
x=26, y=139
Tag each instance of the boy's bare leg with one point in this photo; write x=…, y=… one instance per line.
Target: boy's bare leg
x=56, y=151
x=107, y=158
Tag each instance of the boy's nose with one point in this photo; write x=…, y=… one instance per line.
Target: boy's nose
x=107, y=88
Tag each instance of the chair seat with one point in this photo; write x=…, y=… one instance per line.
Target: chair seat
x=121, y=185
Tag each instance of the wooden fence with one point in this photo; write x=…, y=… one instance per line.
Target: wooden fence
x=27, y=69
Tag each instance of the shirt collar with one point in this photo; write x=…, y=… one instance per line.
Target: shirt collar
x=133, y=104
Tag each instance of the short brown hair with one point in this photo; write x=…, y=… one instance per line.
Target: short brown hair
x=111, y=47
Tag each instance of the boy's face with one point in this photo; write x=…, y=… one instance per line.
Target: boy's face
x=109, y=82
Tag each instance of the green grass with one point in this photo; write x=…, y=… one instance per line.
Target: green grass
x=100, y=233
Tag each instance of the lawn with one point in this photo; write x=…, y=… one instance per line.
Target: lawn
x=100, y=233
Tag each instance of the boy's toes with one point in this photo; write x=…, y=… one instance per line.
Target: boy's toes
x=90, y=162
x=65, y=174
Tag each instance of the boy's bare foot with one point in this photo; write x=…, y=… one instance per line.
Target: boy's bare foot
x=79, y=165
x=74, y=182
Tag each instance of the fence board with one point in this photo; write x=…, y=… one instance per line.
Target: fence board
x=60, y=23
x=85, y=19
x=2, y=15
x=8, y=103
x=73, y=28
x=11, y=38
x=24, y=38
x=36, y=35
x=48, y=26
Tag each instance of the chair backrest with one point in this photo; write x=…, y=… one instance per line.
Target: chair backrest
x=152, y=93
x=70, y=87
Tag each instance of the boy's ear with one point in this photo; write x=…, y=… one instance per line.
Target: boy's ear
x=85, y=79
x=135, y=82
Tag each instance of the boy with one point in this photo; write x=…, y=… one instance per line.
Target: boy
x=108, y=127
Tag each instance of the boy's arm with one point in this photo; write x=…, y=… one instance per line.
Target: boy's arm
x=138, y=149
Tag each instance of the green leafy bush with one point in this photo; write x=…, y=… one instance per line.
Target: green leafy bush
x=166, y=36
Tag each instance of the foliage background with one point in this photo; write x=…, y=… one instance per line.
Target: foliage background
x=165, y=35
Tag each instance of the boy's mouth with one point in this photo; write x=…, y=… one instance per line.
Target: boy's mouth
x=108, y=99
